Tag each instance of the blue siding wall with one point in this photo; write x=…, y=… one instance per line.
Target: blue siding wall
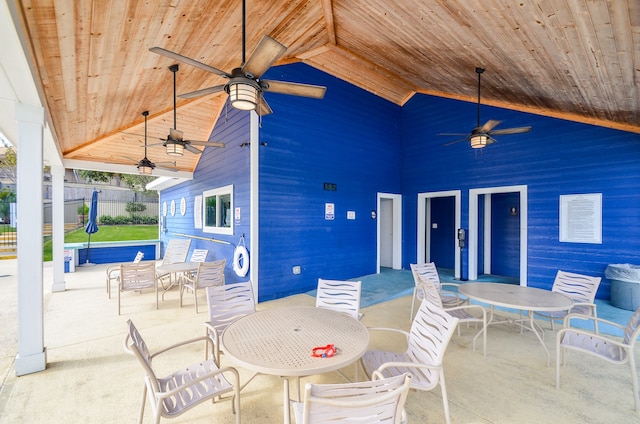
x=557, y=157
x=349, y=138
x=218, y=167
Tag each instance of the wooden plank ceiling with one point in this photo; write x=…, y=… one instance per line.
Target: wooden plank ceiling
x=573, y=59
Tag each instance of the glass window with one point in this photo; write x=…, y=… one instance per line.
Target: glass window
x=218, y=207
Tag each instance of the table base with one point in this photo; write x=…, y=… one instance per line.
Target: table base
x=527, y=323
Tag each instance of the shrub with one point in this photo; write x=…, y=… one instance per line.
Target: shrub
x=133, y=207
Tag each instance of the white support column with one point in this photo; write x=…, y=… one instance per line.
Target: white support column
x=254, y=138
x=57, y=183
x=32, y=355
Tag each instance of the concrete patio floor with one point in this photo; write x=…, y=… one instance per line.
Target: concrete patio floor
x=89, y=378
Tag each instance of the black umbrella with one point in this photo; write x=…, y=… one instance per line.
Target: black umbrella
x=92, y=224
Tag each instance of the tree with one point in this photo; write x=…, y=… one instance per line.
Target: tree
x=138, y=183
x=8, y=165
x=95, y=176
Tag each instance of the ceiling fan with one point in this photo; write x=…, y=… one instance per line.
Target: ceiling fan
x=145, y=166
x=175, y=144
x=482, y=136
x=245, y=87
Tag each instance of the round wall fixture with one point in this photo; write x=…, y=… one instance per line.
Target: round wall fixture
x=183, y=206
x=173, y=207
x=373, y=214
x=164, y=208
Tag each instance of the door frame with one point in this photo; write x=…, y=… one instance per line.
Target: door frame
x=473, y=228
x=424, y=227
x=396, y=226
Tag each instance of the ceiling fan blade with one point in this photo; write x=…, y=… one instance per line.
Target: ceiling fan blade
x=166, y=168
x=205, y=143
x=175, y=135
x=192, y=149
x=164, y=140
x=131, y=159
x=172, y=163
x=293, y=88
x=267, y=51
x=465, y=134
x=263, y=107
x=455, y=141
x=202, y=92
x=517, y=130
x=488, y=126
x=189, y=61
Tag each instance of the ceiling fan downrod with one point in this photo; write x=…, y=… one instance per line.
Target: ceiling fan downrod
x=479, y=71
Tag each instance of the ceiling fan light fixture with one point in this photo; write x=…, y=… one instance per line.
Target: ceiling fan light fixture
x=478, y=141
x=145, y=170
x=145, y=166
x=243, y=93
x=174, y=148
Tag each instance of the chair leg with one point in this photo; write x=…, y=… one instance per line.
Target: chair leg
x=195, y=297
x=634, y=376
x=413, y=301
x=142, y=403
x=445, y=400
x=559, y=361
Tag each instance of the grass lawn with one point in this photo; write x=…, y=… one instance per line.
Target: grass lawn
x=107, y=233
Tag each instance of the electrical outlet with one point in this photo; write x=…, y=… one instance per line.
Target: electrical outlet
x=296, y=269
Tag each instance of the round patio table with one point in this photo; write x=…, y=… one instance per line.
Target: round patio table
x=518, y=297
x=280, y=341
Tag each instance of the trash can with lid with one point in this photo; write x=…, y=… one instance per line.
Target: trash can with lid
x=625, y=285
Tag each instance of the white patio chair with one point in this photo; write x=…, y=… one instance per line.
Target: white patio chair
x=427, y=341
x=113, y=272
x=340, y=295
x=199, y=255
x=137, y=277
x=378, y=401
x=226, y=304
x=462, y=312
x=176, y=251
x=429, y=270
x=581, y=289
x=612, y=350
x=208, y=274
x=184, y=388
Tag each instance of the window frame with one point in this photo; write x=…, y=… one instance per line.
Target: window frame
x=218, y=193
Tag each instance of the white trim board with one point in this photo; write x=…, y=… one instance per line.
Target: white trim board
x=473, y=228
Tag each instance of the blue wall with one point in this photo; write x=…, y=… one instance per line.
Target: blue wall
x=557, y=157
x=349, y=138
x=218, y=167
x=366, y=145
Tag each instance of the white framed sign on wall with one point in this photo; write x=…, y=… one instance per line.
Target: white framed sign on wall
x=581, y=218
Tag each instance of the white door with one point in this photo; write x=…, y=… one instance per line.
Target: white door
x=389, y=237
x=386, y=233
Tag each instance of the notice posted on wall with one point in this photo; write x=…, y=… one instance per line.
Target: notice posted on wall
x=581, y=218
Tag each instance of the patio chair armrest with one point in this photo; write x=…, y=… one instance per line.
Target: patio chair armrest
x=112, y=268
x=610, y=339
x=591, y=306
x=569, y=317
x=205, y=339
x=392, y=330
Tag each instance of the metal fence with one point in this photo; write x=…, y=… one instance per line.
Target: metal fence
x=110, y=212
